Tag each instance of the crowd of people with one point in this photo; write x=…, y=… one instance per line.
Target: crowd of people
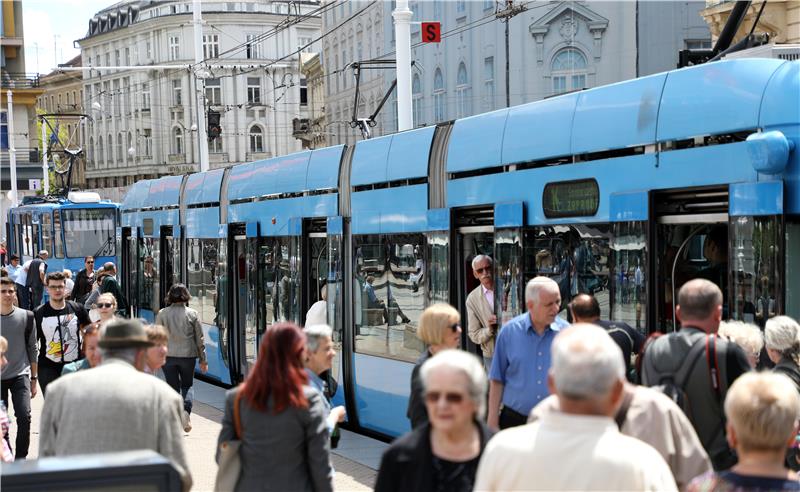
x=552, y=405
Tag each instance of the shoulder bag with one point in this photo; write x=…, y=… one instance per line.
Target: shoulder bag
x=230, y=462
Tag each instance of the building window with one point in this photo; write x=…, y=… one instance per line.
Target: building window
x=344, y=73
x=304, y=43
x=303, y=91
x=110, y=147
x=127, y=56
x=116, y=96
x=108, y=59
x=463, y=92
x=177, y=141
x=148, y=50
x=210, y=46
x=117, y=58
x=488, y=83
x=145, y=96
x=698, y=44
x=416, y=94
x=256, y=139
x=253, y=46
x=568, y=70
x=100, y=156
x=3, y=130
x=120, y=148
x=488, y=4
x=174, y=48
x=439, y=103
x=213, y=92
x=147, y=138
x=253, y=90
x=215, y=145
x=461, y=6
x=177, y=90
x=90, y=150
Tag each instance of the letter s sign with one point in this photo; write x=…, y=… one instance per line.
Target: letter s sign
x=431, y=32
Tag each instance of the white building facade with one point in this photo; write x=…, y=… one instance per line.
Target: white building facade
x=145, y=121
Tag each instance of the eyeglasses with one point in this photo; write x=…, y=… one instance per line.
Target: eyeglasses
x=484, y=269
x=56, y=287
x=90, y=263
x=105, y=305
x=435, y=396
x=455, y=326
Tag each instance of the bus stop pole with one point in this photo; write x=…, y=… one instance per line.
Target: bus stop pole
x=12, y=150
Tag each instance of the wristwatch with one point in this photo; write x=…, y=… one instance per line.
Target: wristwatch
x=34, y=378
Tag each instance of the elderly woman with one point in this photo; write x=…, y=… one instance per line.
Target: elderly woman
x=156, y=356
x=762, y=411
x=782, y=335
x=440, y=329
x=186, y=345
x=745, y=335
x=93, y=357
x=444, y=453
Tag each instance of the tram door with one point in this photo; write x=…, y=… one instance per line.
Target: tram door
x=242, y=295
x=474, y=235
x=127, y=251
x=314, y=265
x=691, y=241
x=168, y=264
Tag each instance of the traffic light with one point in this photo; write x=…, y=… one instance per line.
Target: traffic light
x=214, y=128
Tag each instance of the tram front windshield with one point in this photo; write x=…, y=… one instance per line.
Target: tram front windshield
x=89, y=232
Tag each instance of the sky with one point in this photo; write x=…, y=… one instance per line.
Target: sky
x=51, y=26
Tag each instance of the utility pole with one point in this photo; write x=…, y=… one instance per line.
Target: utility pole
x=12, y=150
x=55, y=50
x=200, y=86
x=402, y=25
x=506, y=14
x=45, y=172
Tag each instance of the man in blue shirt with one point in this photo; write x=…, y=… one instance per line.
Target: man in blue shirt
x=518, y=378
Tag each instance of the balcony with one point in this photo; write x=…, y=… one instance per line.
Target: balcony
x=11, y=80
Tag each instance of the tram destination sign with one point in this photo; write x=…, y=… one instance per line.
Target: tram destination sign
x=578, y=198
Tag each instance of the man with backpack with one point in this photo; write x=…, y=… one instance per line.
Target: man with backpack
x=695, y=367
x=58, y=325
x=19, y=375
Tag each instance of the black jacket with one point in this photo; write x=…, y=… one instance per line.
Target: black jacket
x=408, y=463
x=83, y=286
x=788, y=368
x=417, y=413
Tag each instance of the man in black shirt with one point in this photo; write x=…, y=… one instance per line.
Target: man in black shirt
x=586, y=309
x=35, y=281
x=84, y=281
x=58, y=325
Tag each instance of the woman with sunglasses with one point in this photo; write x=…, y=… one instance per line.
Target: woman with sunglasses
x=439, y=329
x=92, y=355
x=107, y=307
x=443, y=454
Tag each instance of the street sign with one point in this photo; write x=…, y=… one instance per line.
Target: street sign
x=431, y=32
x=34, y=184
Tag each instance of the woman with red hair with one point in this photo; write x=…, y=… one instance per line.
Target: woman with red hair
x=284, y=437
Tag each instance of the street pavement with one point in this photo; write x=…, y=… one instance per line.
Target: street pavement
x=355, y=460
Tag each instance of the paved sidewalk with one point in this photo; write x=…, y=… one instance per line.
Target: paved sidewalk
x=355, y=461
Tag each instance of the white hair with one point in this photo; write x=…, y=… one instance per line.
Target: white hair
x=746, y=335
x=315, y=334
x=536, y=285
x=586, y=362
x=479, y=259
x=782, y=333
x=467, y=364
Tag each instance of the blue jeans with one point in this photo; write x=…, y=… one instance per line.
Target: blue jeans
x=487, y=364
x=20, y=388
x=179, y=373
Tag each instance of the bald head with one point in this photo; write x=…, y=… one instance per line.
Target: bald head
x=584, y=308
x=700, y=304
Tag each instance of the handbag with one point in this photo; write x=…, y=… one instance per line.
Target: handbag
x=230, y=462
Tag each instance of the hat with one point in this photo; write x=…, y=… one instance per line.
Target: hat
x=124, y=333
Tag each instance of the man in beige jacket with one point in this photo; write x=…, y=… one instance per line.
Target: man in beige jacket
x=481, y=320
x=115, y=406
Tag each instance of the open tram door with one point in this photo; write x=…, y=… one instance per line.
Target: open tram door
x=239, y=330
x=731, y=235
x=169, y=261
x=126, y=246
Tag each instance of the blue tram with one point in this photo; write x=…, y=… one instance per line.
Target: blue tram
x=619, y=191
x=70, y=228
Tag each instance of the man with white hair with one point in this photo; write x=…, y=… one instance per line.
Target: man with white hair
x=518, y=376
x=580, y=446
x=481, y=318
x=319, y=360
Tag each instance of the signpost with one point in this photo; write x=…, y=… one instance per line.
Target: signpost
x=431, y=32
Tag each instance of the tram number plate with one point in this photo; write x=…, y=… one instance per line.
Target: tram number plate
x=578, y=198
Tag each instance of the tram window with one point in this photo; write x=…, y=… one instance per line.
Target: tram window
x=279, y=288
x=194, y=272
x=47, y=232
x=628, y=286
x=754, y=266
x=58, y=239
x=577, y=257
x=792, y=262
x=34, y=238
x=507, y=265
x=438, y=271
x=388, y=307
x=89, y=232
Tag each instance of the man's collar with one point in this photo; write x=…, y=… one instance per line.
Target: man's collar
x=484, y=289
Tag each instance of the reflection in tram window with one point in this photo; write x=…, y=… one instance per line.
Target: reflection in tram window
x=279, y=289
x=390, y=305
x=577, y=257
x=628, y=288
x=439, y=270
x=202, y=277
x=755, y=269
x=148, y=277
x=507, y=265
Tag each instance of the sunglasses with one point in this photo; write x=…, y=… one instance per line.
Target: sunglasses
x=90, y=262
x=484, y=269
x=455, y=326
x=105, y=305
x=435, y=396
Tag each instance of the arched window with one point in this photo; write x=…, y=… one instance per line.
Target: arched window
x=568, y=71
x=120, y=150
x=177, y=140
x=109, y=149
x=130, y=145
x=101, y=151
x=416, y=94
x=439, y=104
x=90, y=151
x=256, y=139
x=463, y=92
